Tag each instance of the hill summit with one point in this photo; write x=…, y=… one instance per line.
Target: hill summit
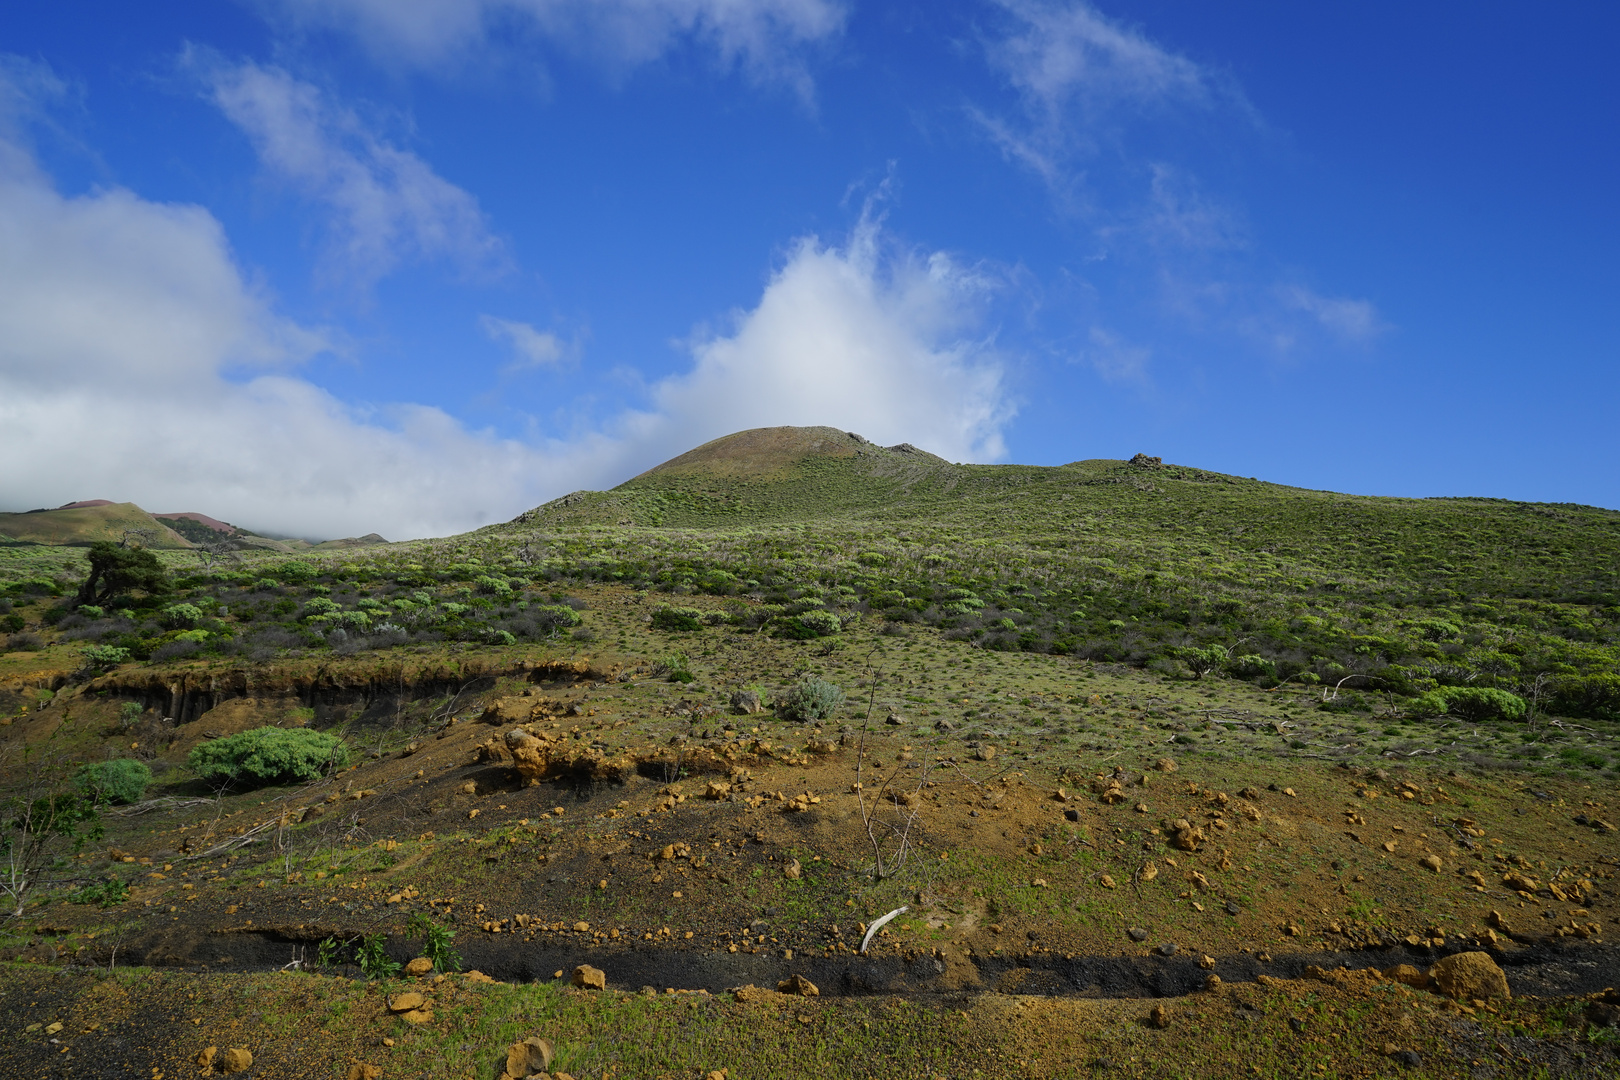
x=774, y=450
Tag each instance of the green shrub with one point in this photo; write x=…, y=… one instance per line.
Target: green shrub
x=129, y=713
x=105, y=657
x=811, y=699
x=320, y=605
x=123, y=780
x=105, y=893
x=181, y=616
x=677, y=618
x=89, y=611
x=295, y=572
x=1252, y=667
x=436, y=941
x=549, y=619
x=267, y=755
x=494, y=586
x=819, y=623
x=1469, y=703
x=1595, y=697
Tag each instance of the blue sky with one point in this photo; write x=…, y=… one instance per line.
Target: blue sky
x=413, y=266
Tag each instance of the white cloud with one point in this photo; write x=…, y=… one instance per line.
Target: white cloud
x=1351, y=321
x=764, y=37
x=385, y=205
x=136, y=363
x=1066, y=55
x=858, y=337
x=534, y=348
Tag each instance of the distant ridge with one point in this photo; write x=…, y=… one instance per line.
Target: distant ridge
x=773, y=450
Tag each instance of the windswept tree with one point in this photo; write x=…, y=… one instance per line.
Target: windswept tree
x=115, y=569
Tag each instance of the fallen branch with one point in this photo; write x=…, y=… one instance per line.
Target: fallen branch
x=880, y=923
x=168, y=803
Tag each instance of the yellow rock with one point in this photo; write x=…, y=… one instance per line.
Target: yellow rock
x=236, y=1059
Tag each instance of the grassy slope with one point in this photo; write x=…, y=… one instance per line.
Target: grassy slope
x=89, y=524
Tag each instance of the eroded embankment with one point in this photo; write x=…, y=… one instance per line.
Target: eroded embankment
x=1546, y=971
x=332, y=689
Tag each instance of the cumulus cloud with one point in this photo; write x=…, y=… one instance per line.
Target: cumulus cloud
x=384, y=205
x=764, y=37
x=138, y=363
x=874, y=340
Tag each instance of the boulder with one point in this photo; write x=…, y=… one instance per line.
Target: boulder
x=798, y=984
x=401, y=1003
x=590, y=978
x=1164, y=764
x=1431, y=863
x=747, y=701
x=532, y=1055
x=419, y=967
x=1470, y=975
x=236, y=1059
x=361, y=1071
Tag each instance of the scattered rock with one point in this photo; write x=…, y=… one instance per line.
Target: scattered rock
x=1232, y=908
x=1601, y=1014
x=985, y=753
x=1519, y=882
x=418, y=1016
x=1470, y=975
x=1071, y=815
x=1406, y=973
x=1136, y=933
x=406, y=1002
x=792, y=870
x=1206, y=962
x=1149, y=872
x=798, y=984
x=236, y=1059
x=361, y=1071
x=419, y=967
x=1107, y=882
x=589, y=978
x=205, y=1057
x=1142, y=461
x=1164, y=764
x=532, y=1055
x=1159, y=1017
x=1431, y=863
x=1296, y=1025
x=470, y=788
x=747, y=701
x=1167, y=949
x=1184, y=836
x=1409, y=1058
x=478, y=977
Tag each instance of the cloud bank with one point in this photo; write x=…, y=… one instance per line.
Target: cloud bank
x=137, y=362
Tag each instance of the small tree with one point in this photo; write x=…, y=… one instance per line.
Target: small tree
x=41, y=816
x=115, y=569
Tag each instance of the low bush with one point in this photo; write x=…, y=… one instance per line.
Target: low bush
x=104, y=657
x=811, y=699
x=120, y=781
x=677, y=618
x=180, y=616
x=1468, y=703
x=267, y=755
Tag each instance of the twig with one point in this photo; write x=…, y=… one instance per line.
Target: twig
x=880, y=923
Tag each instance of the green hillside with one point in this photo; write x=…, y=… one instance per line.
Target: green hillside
x=1147, y=564
x=88, y=524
